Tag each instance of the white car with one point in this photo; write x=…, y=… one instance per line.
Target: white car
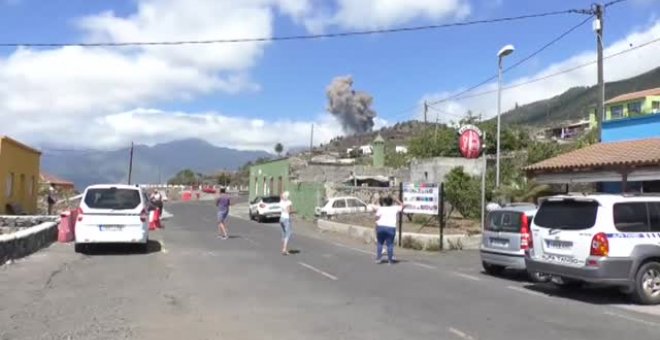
x=263, y=208
x=605, y=239
x=114, y=213
x=343, y=205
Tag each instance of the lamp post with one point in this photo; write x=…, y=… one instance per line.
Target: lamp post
x=505, y=51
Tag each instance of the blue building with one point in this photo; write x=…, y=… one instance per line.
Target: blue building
x=628, y=157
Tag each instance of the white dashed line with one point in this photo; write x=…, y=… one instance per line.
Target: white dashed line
x=424, y=265
x=633, y=319
x=527, y=291
x=354, y=249
x=460, y=334
x=467, y=276
x=329, y=276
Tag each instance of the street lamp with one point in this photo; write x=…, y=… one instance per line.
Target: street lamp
x=505, y=51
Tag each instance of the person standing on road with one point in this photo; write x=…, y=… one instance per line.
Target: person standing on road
x=157, y=201
x=223, y=202
x=285, y=221
x=386, y=219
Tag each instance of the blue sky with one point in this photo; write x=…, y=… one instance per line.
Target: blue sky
x=252, y=96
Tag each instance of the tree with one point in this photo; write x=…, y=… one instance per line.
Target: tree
x=463, y=192
x=279, y=148
x=185, y=177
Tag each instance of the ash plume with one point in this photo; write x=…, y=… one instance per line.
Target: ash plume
x=350, y=107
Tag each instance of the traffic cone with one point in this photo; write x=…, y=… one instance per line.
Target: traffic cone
x=152, y=220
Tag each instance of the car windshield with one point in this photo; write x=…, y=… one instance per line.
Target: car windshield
x=271, y=199
x=567, y=214
x=506, y=221
x=113, y=198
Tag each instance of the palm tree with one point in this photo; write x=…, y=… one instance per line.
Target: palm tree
x=279, y=148
x=522, y=191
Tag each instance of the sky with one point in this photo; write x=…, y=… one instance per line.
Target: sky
x=253, y=95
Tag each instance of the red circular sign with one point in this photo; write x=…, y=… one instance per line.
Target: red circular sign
x=469, y=143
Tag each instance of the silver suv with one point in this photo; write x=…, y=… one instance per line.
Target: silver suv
x=505, y=238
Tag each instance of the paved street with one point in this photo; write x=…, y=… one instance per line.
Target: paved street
x=194, y=286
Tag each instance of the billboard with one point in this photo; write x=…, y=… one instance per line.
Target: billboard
x=423, y=198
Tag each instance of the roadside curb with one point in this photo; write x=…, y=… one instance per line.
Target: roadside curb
x=425, y=241
x=27, y=241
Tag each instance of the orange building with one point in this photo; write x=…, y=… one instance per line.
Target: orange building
x=19, y=177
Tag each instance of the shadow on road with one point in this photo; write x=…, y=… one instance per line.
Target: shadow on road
x=153, y=246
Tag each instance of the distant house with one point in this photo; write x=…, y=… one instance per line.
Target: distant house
x=635, y=104
x=56, y=182
x=568, y=131
x=401, y=149
x=366, y=149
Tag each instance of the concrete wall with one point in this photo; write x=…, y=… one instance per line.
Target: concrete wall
x=631, y=128
x=306, y=197
x=434, y=170
x=19, y=176
x=23, y=241
x=339, y=173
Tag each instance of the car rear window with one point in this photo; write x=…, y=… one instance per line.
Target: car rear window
x=506, y=221
x=113, y=198
x=567, y=214
x=271, y=199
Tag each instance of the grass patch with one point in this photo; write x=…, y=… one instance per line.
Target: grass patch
x=411, y=243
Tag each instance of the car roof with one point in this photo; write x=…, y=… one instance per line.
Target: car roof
x=344, y=197
x=108, y=186
x=609, y=198
x=528, y=209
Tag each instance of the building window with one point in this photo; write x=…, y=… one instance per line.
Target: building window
x=9, y=187
x=22, y=186
x=634, y=109
x=655, y=106
x=617, y=111
x=31, y=185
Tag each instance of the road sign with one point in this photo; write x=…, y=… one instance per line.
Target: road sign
x=469, y=141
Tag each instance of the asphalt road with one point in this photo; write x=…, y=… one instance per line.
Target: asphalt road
x=194, y=286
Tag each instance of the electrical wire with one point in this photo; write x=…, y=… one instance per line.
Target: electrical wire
x=527, y=58
x=292, y=37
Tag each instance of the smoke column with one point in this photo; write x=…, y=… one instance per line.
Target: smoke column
x=350, y=107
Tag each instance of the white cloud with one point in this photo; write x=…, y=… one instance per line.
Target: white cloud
x=378, y=14
x=621, y=67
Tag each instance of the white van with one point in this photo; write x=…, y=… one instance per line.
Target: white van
x=112, y=213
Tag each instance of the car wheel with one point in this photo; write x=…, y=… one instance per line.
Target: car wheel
x=647, y=284
x=80, y=248
x=260, y=219
x=492, y=269
x=539, y=277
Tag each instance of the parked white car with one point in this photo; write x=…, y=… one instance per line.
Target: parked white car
x=605, y=239
x=114, y=213
x=343, y=205
x=263, y=208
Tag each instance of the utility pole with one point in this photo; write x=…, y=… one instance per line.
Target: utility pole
x=130, y=165
x=426, y=110
x=311, y=141
x=598, y=27
x=436, y=126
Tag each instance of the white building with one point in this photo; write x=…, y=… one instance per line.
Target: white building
x=366, y=149
x=401, y=149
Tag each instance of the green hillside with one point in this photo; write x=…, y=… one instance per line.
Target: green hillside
x=576, y=103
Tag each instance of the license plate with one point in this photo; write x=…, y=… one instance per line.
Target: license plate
x=110, y=227
x=561, y=259
x=499, y=243
x=558, y=244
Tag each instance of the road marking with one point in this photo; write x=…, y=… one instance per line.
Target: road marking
x=633, y=319
x=162, y=247
x=424, y=265
x=354, y=249
x=467, y=276
x=329, y=276
x=527, y=291
x=460, y=334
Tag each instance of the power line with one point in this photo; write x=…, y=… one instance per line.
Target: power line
x=552, y=75
x=533, y=54
x=293, y=37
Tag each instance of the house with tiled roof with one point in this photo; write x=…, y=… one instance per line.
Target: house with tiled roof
x=628, y=157
x=56, y=182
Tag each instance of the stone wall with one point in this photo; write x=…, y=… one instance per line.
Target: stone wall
x=369, y=195
x=434, y=170
x=26, y=240
x=11, y=224
x=319, y=173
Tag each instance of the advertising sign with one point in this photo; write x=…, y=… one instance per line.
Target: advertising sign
x=469, y=141
x=421, y=198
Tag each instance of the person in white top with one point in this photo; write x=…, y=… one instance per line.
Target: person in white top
x=285, y=221
x=386, y=222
